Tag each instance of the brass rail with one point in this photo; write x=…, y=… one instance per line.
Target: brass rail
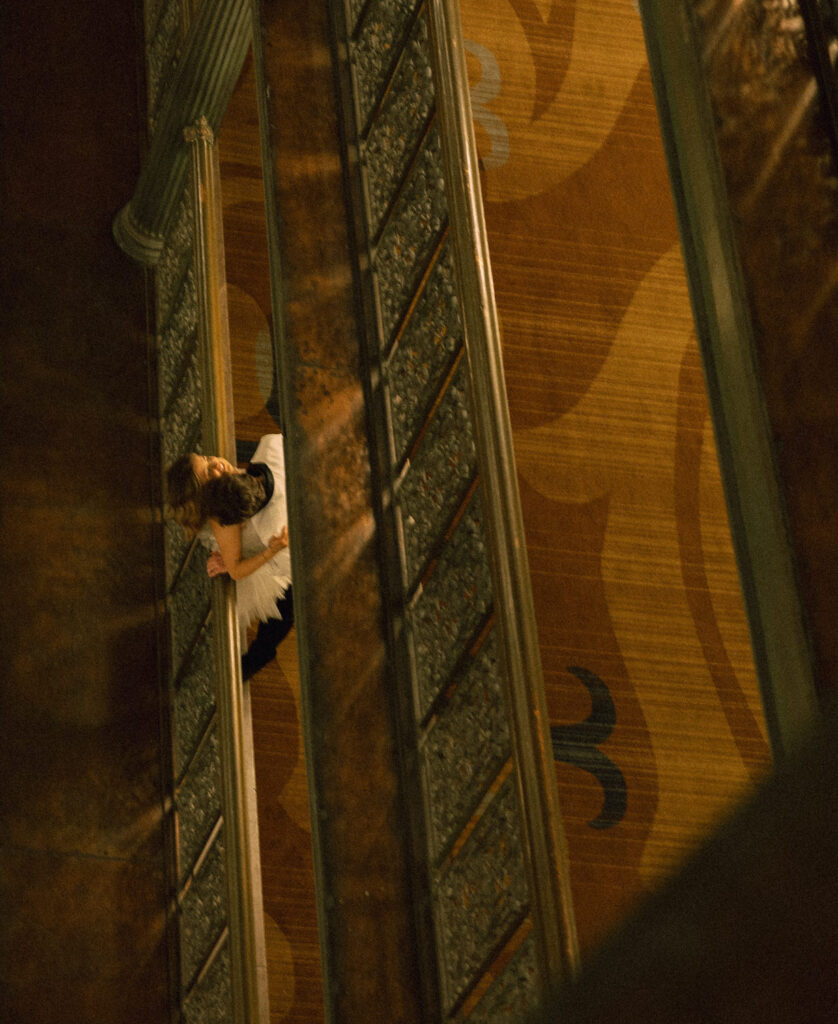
x=244, y=885
x=548, y=865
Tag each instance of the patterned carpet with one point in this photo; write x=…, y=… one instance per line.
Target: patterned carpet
x=655, y=713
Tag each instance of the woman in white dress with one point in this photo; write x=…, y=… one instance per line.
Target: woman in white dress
x=246, y=515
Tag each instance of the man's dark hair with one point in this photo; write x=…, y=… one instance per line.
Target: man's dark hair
x=232, y=498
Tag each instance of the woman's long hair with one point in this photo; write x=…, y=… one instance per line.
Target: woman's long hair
x=183, y=495
x=229, y=499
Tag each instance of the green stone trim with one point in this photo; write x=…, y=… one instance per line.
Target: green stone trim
x=725, y=333
x=214, y=53
x=238, y=784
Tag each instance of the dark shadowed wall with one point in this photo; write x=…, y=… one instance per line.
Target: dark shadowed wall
x=82, y=887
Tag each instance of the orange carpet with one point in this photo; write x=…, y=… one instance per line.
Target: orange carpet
x=642, y=630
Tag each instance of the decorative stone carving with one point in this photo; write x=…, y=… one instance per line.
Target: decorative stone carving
x=162, y=54
x=182, y=423
x=188, y=607
x=514, y=996
x=411, y=235
x=451, y=606
x=426, y=349
x=439, y=475
x=383, y=28
x=198, y=802
x=178, y=369
x=465, y=749
x=354, y=8
x=194, y=703
x=400, y=124
x=211, y=1001
x=175, y=257
x=203, y=912
x=183, y=315
x=176, y=544
x=481, y=896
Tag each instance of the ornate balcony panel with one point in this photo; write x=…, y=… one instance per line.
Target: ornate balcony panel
x=203, y=912
x=411, y=235
x=182, y=319
x=199, y=803
x=481, y=896
x=451, y=606
x=195, y=51
x=353, y=13
x=423, y=267
x=177, y=359
x=211, y=1001
x=465, y=749
x=194, y=703
x=423, y=354
x=514, y=995
x=182, y=424
x=177, y=546
x=189, y=608
x=383, y=29
x=439, y=475
x=175, y=258
x=162, y=51
x=396, y=132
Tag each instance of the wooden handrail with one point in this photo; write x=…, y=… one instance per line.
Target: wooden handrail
x=547, y=862
x=244, y=884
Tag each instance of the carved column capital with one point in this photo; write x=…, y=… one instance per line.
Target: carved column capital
x=200, y=131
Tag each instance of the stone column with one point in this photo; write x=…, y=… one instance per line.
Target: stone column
x=201, y=86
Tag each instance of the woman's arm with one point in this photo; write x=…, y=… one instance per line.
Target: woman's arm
x=229, y=540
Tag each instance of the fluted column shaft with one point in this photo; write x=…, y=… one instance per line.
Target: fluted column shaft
x=206, y=75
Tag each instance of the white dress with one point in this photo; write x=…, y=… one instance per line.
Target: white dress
x=256, y=594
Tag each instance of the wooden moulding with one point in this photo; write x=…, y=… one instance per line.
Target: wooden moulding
x=241, y=837
x=726, y=337
x=544, y=839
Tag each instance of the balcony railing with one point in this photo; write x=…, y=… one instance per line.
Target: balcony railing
x=194, y=53
x=466, y=662
x=494, y=922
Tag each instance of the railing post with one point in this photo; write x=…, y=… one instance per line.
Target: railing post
x=244, y=883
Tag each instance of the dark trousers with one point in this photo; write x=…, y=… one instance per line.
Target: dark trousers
x=269, y=636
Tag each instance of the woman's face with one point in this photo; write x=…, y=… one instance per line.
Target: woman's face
x=208, y=467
